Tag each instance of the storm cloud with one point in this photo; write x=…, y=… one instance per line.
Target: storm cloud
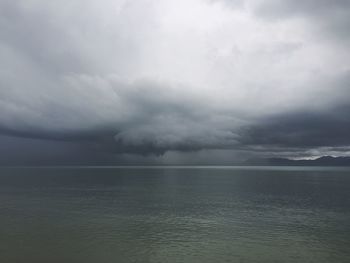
x=167, y=81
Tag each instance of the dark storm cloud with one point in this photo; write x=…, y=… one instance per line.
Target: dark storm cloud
x=301, y=129
x=127, y=80
x=308, y=128
x=27, y=151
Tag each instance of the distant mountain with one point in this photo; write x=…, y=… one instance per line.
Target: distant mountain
x=322, y=161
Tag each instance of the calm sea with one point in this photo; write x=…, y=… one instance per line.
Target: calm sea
x=175, y=214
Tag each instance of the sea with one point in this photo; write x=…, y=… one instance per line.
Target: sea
x=196, y=214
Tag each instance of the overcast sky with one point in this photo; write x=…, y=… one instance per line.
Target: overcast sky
x=173, y=82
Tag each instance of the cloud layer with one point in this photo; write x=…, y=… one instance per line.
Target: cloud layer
x=153, y=77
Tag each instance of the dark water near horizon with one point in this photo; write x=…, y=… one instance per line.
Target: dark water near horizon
x=105, y=215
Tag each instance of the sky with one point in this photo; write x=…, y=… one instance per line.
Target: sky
x=173, y=82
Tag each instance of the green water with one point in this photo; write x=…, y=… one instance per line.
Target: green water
x=198, y=214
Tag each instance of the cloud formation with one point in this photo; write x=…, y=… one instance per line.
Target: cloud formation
x=149, y=77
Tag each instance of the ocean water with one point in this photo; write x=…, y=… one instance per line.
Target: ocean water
x=175, y=214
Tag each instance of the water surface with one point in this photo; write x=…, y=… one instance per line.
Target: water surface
x=175, y=214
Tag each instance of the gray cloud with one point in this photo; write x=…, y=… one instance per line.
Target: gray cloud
x=124, y=80
x=330, y=18
x=301, y=129
x=308, y=7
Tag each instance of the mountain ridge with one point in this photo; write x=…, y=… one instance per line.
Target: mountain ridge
x=321, y=161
